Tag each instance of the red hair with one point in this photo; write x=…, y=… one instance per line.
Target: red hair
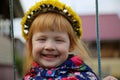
x=53, y=22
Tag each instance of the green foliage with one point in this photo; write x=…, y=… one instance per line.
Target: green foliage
x=19, y=64
x=118, y=78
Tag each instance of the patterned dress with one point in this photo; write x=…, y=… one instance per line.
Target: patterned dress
x=72, y=69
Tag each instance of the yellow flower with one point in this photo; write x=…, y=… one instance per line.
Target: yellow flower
x=55, y=3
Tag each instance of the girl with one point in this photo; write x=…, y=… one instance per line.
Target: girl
x=52, y=31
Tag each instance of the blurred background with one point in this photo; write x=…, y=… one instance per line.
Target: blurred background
x=109, y=25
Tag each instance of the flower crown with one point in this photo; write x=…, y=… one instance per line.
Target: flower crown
x=51, y=6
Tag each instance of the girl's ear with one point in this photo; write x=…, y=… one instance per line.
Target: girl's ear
x=71, y=49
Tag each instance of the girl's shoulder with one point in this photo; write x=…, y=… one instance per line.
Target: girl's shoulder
x=87, y=72
x=82, y=69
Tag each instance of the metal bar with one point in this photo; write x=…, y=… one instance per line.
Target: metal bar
x=12, y=36
x=98, y=41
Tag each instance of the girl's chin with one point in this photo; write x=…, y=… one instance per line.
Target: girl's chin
x=48, y=64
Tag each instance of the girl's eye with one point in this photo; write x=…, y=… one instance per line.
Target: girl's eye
x=41, y=39
x=59, y=40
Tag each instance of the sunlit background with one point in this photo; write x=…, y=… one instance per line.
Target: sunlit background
x=109, y=25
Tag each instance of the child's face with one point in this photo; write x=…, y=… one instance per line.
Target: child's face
x=50, y=48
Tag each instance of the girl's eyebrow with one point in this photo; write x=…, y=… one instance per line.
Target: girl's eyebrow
x=59, y=37
x=42, y=36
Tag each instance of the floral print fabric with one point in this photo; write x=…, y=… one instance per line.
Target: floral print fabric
x=72, y=69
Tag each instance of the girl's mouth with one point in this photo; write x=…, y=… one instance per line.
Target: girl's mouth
x=49, y=57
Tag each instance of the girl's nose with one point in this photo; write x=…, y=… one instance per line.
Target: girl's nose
x=50, y=45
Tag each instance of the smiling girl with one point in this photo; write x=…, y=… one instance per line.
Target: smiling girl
x=54, y=50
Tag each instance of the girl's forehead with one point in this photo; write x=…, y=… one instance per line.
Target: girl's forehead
x=48, y=30
x=51, y=35
x=52, y=32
